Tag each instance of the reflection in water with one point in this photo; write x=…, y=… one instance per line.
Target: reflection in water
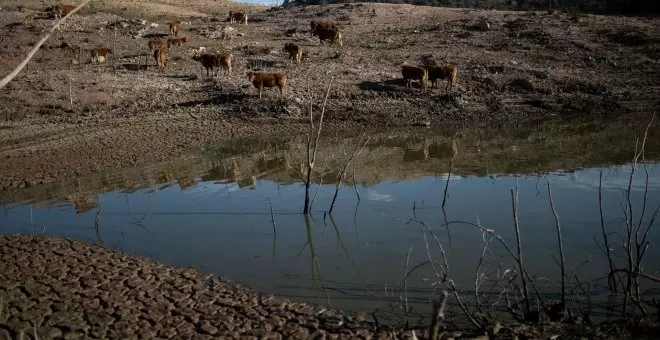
x=235, y=212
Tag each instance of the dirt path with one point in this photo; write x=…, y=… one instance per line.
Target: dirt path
x=528, y=66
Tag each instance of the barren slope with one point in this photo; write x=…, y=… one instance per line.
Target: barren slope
x=528, y=66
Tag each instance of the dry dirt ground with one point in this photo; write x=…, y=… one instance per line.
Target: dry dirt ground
x=59, y=119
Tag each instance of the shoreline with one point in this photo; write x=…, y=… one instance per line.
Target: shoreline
x=62, y=288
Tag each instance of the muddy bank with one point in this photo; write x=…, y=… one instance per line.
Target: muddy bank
x=43, y=153
x=391, y=154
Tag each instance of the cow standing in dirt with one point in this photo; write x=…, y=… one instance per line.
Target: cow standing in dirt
x=295, y=52
x=411, y=73
x=62, y=10
x=238, y=17
x=100, y=54
x=332, y=34
x=160, y=55
x=268, y=79
x=439, y=72
x=320, y=23
x=175, y=27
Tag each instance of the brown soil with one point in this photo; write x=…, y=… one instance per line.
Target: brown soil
x=527, y=66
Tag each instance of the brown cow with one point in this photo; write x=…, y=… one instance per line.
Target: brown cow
x=332, y=34
x=225, y=60
x=62, y=10
x=438, y=72
x=100, y=54
x=209, y=61
x=155, y=44
x=415, y=73
x=238, y=17
x=176, y=42
x=267, y=79
x=175, y=27
x=161, y=58
x=295, y=52
x=320, y=23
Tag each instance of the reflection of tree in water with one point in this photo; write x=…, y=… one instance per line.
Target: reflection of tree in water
x=315, y=266
x=97, y=223
x=314, y=260
x=340, y=242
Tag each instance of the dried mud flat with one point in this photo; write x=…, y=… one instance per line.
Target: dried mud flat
x=59, y=288
x=56, y=288
x=528, y=66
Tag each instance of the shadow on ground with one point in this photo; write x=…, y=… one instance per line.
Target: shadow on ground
x=390, y=85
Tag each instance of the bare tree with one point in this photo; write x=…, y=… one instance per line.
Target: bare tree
x=311, y=152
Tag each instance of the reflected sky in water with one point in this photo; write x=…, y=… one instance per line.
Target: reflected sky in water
x=228, y=230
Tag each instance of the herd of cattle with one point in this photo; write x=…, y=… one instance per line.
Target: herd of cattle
x=324, y=29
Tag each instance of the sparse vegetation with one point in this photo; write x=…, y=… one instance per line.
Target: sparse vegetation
x=629, y=7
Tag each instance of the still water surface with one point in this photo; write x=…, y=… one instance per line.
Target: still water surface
x=215, y=212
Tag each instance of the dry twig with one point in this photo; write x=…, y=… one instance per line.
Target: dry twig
x=36, y=47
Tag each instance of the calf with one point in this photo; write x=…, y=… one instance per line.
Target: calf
x=295, y=52
x=100, y=54
x=438, y=72
x=225, y=60
x=161, y=58
x=268, y=79
x=332, y=34
x=238, y=17
x=415, y=73
x=227, y=33
x=175, y=27
x=155, y=44
x=176, y=42
x=62, y=10
x=320, y=23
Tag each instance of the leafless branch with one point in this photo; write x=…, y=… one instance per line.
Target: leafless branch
x=608, y=250
x=36, y=47
x=523, y=281
x=405, y=282
x=343, y=172
x=561, y=248
x=311, y=154
x=438, y=315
